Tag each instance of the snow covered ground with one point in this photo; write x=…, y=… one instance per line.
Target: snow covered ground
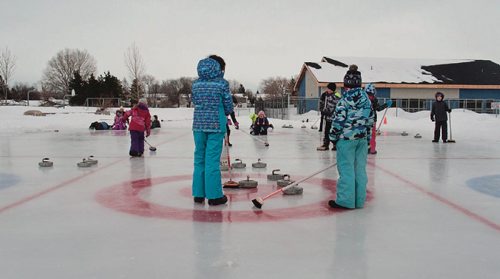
x=433, y=209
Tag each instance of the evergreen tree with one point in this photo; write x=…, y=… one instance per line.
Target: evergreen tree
x=241, y=90
x=136, y=91
x=78, y=84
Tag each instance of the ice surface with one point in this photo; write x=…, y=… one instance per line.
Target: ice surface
x=134, y=218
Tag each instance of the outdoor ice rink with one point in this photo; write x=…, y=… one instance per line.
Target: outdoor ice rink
x=433, y=210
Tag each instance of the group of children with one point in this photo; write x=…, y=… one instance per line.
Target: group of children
x=327, y=105
x=138, y=120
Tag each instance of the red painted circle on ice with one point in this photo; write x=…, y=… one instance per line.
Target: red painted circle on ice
x=125, y=197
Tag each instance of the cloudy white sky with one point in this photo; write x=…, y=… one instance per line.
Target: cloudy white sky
x=257, y=38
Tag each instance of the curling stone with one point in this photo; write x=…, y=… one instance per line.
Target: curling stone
x=239, y=164
x=418, y=136
x=45, y=163
x=248, y=183
x=303, y=126
x=314, y=127
x=224, y=167
x=285, y=181
x=294, y=190
x=84, y=163
x=91, y=160
x=275, y=176
x=404, y=133
x=259, y=164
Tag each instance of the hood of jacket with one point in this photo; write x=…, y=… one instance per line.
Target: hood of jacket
x=142, y=106
x=355, y=97
x=208, y=68
x=439, y=94
x=370, y=89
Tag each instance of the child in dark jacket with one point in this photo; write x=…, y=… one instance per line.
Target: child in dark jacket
x=328, y=102
x=232, y=120
x=261, y=125
x=438, y=115
x=155, y=123
x=140, y=123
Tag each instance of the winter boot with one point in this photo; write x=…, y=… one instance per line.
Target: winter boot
x=218, y=201
x=199, y=200
x=333, y=204
x=322, y=148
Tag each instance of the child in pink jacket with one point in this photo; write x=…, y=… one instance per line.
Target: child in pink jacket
x=139, y=123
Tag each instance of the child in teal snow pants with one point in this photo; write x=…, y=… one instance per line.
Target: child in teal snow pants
x=351, y=165
x=212, y=102
x=206, y=175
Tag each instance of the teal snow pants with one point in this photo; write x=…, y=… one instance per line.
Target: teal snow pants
x=351, y=165
x=206, y=175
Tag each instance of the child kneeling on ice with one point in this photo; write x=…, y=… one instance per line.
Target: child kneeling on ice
x=140, y=123
x=119, y=123
x=261, y=125
x=352, y=121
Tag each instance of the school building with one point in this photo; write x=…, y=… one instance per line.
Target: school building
x=412, y=83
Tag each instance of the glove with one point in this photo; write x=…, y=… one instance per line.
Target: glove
x=236, y=125
x=389, y=103
x=229, y=122
x=432, y=119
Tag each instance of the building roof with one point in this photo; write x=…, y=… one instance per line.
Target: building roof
x=407, y=71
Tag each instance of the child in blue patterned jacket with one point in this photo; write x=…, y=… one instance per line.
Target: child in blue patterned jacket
x=212, y=103
x=352, y=121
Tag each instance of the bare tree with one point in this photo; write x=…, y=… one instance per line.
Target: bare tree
x=234, y=85
x=61, y=68
x=275, y=87
x=134, y=63
x=149, y=81
x=7, y=66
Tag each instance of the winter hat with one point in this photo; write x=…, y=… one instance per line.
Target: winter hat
x=332, y=86
x=143, y=100
x=370, y=89
x=352, y=78
x=439, y=94
x=262, y=113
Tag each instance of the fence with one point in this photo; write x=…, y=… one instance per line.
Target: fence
x=279, y=107
x=275, y=107
x=103, y=102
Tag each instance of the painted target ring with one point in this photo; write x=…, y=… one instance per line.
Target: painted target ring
x=126, y=197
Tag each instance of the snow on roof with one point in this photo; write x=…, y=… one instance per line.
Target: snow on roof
x=388, y=70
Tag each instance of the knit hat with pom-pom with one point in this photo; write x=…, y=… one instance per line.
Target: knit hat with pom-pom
x=352, y=78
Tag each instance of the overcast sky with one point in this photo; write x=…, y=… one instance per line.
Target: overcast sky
x=257, y=38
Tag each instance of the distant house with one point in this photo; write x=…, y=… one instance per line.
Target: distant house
x=410, y=80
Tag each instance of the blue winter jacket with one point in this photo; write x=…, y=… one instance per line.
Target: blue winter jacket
x=211, y=98
x=353, y=116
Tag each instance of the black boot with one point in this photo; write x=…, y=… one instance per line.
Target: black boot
x=199, y=200
x=218, y=201
x=333, y=204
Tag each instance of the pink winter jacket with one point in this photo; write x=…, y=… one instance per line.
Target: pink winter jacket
x=141, y=118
